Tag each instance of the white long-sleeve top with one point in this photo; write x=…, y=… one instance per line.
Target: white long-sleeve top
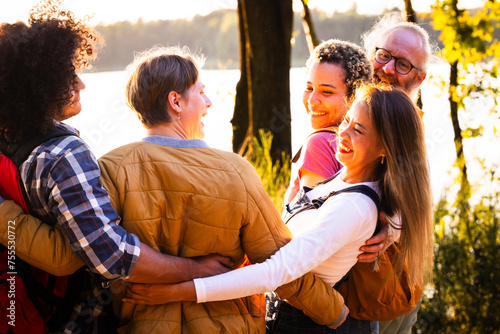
x=326, y=241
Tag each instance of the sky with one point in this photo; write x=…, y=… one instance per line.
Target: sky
x=109, y=11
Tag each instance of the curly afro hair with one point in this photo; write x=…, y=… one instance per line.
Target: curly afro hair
x=38, y=64
x=349, y=56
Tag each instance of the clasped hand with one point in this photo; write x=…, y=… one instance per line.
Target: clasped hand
x=154, y=294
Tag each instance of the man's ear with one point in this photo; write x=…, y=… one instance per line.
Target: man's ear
x=420, y=77
x=173, y=101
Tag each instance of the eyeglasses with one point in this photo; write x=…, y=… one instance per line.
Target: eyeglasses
x=402, y=66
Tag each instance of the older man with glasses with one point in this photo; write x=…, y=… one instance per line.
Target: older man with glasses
x=402, y=66
x=400, y=52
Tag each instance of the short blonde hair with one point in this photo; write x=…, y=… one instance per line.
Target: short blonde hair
x=155, y=73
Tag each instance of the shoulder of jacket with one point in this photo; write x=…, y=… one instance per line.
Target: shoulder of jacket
x=237, y=162
x=202, y=157
x=124, y=151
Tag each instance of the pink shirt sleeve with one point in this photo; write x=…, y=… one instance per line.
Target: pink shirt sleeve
x=317, y=156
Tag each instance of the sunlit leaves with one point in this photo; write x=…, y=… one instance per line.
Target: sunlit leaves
x=464, y=297
x=466, y=38
x=275, y=176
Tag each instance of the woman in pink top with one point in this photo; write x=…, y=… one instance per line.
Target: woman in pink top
x=334, y=69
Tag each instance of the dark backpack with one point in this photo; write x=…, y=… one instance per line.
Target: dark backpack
x=32, y=301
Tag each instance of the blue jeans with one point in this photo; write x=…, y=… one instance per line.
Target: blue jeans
x=289, y=320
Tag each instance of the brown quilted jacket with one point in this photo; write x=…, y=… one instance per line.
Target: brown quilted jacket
x=196, y=201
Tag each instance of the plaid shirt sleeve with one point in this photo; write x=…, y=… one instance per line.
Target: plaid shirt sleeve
x=83, y=210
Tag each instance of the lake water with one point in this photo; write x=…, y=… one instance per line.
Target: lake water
x=106, y=122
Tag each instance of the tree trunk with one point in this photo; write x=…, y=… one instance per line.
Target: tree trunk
x=307, y=23
x=242, y=127
x=458, y=139
x=265, y=61
x=411, y=16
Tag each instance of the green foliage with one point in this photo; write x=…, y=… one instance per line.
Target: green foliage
x=471, y=48
x=464, y=296
x=470, y=40
x=467, y=39
x=275, y=177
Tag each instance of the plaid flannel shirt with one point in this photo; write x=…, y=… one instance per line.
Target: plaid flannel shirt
x=62, y=179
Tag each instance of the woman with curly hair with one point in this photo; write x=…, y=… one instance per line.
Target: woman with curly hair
x=39, y=88
x=75, y=223
x=38, y=70
x=334, y=69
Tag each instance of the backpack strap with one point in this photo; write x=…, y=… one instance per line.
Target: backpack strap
x=20, y=151
x=294, y=208
x=301, y=203
x=365, y=190
x=330, y=128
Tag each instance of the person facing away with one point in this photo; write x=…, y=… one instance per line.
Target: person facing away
x=334, y=69
x=184, y=198
x=380, y=147
x=39, y=89
x=400, y=52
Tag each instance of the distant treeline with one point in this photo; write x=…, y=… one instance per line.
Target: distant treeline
x=216, y=36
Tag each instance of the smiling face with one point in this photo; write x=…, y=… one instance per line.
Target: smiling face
x=194, y=104
x=325, y=93
x=359, y=147
x=405, y=44
x=74, y=107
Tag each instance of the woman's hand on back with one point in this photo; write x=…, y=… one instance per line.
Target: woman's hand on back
x=155, y=294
